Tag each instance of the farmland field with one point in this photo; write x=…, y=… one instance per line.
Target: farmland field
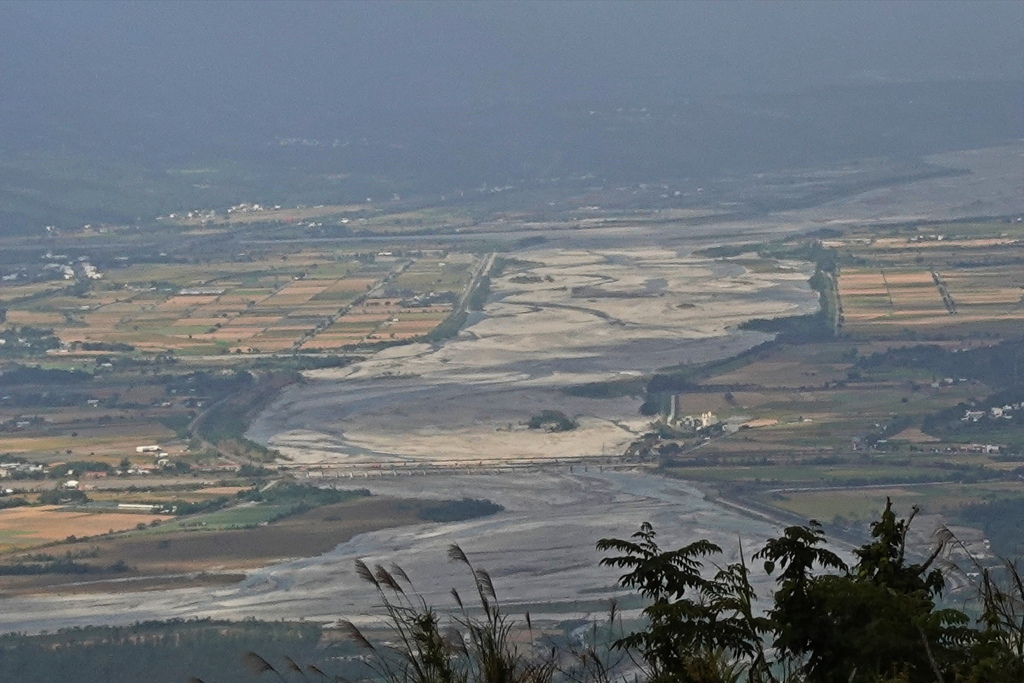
x=814, y=429
x=222, y=552
x=896, y=299
x=864, y=505
x=828, y=426
x=31, y=526
x=949, y=279
x=253, y=304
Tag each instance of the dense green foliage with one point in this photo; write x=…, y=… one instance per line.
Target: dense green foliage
x=62, y=496
x=204, y=383
x=179, y=423
x=291, y=492
x=75, y=468
x=1000, y=365
x=59, y=565
x=875, y=621
x=552, y=421
x=797, y=329
x=478, y=297
x=825, y=258
x=254, y=471
x=157, y=652
x=458, y=510
x=298, y=363
x=225, y=422
x=23, y=374
x=800, y=329
x=1001, y=521
x=663, y=384
x=188, y=507
x=450, y=326
x=614, y=388
x=952, y=424
x=117, y=347
x=474, y=301
x=295, y=499
x=27, y=341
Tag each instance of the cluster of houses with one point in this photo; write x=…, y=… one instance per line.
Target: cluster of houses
x=196, y=214
x=70, y=269
x=246, y=207
x=209, y=215
x=162, y=456
x=90, y=272
x=27, y=339
x=987, y=448
x=201, y=214
x=20, y=422
x=428, y=299
x=1005, y=412
x=860, y=443
x=10, y=469
x=947, y=381
x=57, y=266
x=78, y=480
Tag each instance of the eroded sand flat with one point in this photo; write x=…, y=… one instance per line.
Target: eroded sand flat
x=541, y=549
x=540, y=552
x=568, y=317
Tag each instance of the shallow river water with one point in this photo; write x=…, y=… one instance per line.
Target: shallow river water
x=540, y=552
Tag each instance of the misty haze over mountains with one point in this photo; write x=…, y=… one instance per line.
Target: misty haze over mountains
x=332, y=101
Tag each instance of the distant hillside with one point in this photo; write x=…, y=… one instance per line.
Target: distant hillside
x=71, y=167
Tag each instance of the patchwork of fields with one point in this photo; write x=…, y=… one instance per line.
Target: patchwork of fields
x=816, y=428
x=830, y=427
x=897, y=298
x=313, y=300
x=32, y=526
x=925, y=283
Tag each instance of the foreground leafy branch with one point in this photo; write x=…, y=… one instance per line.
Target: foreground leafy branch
x=469, y=648
x=877, y=621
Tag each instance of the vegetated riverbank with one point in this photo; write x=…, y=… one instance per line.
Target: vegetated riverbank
x=915, y=399
x=540, y=551
x=277, y=523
